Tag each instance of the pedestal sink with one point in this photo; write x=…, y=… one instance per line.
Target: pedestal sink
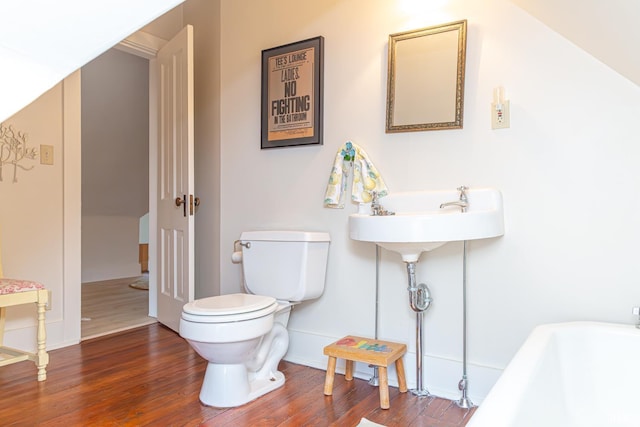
x=420, y=225
x=424, y=221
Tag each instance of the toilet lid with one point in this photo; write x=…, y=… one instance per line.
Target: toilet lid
x=225, y=305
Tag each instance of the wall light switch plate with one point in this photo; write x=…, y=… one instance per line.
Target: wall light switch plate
x=500, y=116
x=46, y=154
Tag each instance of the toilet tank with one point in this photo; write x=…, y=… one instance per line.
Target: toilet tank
x=286, y=265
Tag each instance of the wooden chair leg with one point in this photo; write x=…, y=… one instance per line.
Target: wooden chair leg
x=3, y=313
x=328, y=379
x=42, y=357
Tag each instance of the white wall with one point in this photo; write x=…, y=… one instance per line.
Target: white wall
x=115, y=163
x=143, y=229
x=31, y=241
x=38, y=241
x=567, y=168
x=115, y=135
x=109, y=247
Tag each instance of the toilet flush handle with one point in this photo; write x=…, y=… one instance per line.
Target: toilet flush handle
x=240, y=243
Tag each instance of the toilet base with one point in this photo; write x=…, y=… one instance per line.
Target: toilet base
x=228, y=386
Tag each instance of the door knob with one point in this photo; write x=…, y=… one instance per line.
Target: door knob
x=194, y=202
x=182, y=201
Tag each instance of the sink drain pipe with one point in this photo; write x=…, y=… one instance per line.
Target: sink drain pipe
x=419, y=300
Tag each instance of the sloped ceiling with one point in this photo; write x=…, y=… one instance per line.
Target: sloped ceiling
x=609, y=30
x=43, y=41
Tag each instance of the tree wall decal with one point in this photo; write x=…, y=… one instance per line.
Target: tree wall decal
x=13, y=150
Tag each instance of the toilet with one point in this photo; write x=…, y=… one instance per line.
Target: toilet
x=243, y=336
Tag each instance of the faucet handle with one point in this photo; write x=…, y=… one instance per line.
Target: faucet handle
x=463, y=192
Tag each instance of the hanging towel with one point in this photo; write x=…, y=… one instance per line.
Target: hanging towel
x=366, y=177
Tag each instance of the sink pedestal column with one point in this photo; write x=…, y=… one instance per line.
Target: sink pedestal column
x=464, y=401
x=419, y=301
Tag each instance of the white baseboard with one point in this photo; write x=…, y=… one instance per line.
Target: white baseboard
x=441, y=375
x=24, y=338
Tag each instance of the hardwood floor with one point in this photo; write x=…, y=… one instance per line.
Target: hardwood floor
x=149, y=376
x=112, y=306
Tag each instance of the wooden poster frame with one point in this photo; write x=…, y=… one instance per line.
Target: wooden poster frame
x=292, y=94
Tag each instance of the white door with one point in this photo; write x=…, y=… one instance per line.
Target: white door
x=175, y=229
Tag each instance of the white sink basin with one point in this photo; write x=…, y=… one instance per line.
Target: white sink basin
x=419, y=224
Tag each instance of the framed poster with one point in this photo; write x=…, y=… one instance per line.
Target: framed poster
x=292, y=86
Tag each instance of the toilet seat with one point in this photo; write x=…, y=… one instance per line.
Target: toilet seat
x=229, y=308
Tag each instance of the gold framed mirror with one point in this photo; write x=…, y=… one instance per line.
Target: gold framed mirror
x=425, y=87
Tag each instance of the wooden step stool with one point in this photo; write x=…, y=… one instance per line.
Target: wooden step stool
x=365, y=350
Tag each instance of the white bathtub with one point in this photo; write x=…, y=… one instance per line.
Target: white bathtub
x=578, y=374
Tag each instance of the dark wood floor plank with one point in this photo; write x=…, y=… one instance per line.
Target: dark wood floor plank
x=149, y=376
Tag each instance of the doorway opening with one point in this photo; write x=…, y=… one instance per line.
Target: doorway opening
x=115, y=193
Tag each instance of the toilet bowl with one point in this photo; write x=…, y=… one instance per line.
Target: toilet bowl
x=227, y=331
x=243, y=336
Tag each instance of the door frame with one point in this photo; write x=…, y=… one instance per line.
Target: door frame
x=146, y=46
x=72, y=213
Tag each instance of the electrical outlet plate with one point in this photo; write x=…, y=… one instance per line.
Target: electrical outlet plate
x=500, y=118
x=46, y=154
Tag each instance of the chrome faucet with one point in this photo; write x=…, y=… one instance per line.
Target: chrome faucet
x=462, y=202
x=376, y=207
